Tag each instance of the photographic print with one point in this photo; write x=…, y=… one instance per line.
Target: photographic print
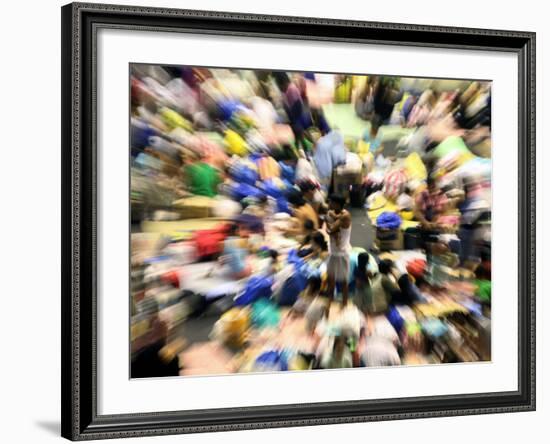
x=305, y=221
x=256, y=206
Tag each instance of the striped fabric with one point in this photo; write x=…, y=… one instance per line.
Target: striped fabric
x=394, y=183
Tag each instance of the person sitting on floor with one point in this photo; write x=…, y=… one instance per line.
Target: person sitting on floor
x=363, y=292
x=429, y=205
x=397, y=284
x=339, y=356
x=309, y=229
x=306, y=298
x=302, y=212
x=319, y=248
x=235, y=253
x=313, y=195
x=201, y=178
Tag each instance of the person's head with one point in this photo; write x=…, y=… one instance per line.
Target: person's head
x=318, y=241
x=239, y=230
x=336, y=202
x=281, y=79
x=274, y=255
x=233, y=230
x=307, y=188
x=432, y=183
x=308, y=226
x=244, y=231
x=385, y=266
x=363, y=261
x=362, y=265
x=296, y=199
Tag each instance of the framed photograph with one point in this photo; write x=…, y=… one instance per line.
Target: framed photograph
x=275, y=221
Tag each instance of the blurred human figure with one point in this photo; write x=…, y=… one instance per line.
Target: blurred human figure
x=429, y=204
x=303, y=212
x=388, y=282
x=318, y=248
x=305, y=300
x=405, y=201
x=378, y=351
x=294, y=104
x=386, y=95
x=148, y=359
x=312, y=195
x=420, y=112
x=363, y=291
x=202, y=178
x=305, y=241
x=275, y=265
x=330, y=152
x=339, y=230
x=339, y=356
x=364, y=104
x=372, y=136
x=235, y=253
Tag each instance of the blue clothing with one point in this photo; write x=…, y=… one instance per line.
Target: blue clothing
x=236, y=256
x=330, y=153
x=146, y=161
x=374, y=143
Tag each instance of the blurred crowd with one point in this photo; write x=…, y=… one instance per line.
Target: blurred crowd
x=296, y=221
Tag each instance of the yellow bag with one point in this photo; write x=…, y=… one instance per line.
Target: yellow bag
x=175, y=120
x=236, y=323
x=363, y=147
x=415, y=168
x=368, y=162
x=268, y=168
x=234, y=143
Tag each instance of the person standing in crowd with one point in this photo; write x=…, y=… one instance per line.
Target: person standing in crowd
x=293, y=104
x=386, y=95
x=364, y=104
x=339, y=230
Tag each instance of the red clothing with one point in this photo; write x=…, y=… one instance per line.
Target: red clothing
x=431, y=204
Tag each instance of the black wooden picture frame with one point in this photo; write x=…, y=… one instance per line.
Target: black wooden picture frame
x=80, y=419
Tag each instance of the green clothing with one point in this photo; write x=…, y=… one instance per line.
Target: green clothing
x=202, y=179
x=483, y=291
x=450, y=145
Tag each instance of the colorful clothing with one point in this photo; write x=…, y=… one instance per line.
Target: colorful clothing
x=202, y=179
x=306, y=212
x=431, y=204
x=236, y=255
